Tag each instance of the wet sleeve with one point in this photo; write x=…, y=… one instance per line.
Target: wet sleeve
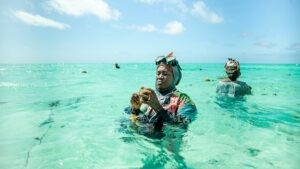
x=186, y=111
x=248, y=89
x=224, y=88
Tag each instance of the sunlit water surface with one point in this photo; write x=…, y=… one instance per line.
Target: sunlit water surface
x=57, y=116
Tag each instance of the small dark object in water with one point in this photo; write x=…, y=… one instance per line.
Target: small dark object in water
x=289, y=74
x=54, y=103
x=274, y=94
x=84, y=71
x=117, y=66
x=253, y=152
x=207, y=80
x=221, y=77
x=213, y=161
x=297, y=117
x=48, y=121
x=200, y=69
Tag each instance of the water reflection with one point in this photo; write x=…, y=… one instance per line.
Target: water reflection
x=53, y=106
x=257, y=115
x=166, y=145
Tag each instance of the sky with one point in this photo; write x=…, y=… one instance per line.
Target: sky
x=137, y=31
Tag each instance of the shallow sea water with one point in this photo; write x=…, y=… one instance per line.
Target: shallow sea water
x=55, y=116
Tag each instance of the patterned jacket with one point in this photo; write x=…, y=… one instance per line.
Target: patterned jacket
x=178, y=108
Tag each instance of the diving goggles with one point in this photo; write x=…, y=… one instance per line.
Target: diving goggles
x=168, y=60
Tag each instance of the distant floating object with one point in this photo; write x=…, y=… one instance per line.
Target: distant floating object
x=117, y=66
x=84, y=71
x=221, y=77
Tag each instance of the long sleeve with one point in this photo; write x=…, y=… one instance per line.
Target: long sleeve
x=183, y=111
x=178, y=108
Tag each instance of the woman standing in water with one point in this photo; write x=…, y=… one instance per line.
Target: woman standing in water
x=154, y=108
x=231, y=86
x=151, y=111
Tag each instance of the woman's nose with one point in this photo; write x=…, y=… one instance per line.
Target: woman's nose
x=159, y=76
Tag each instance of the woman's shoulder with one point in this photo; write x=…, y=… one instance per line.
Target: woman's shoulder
x=182, y=96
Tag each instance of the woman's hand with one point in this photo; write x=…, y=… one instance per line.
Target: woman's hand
x=148, y=96
x=135, y=101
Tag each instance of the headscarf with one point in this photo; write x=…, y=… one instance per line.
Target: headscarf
x=170, y=62
x=232, y=66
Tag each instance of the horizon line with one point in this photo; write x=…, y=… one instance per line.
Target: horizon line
x=41, y=63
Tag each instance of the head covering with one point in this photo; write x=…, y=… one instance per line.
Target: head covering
x=172, y=64
x=177, y=74
x=232, y=66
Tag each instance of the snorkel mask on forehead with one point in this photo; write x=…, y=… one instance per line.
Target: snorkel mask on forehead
x=232, y=69
x=170, y=61
x=232, y=65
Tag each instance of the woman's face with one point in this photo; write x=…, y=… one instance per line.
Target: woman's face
x=233, y=76
x=164, y=78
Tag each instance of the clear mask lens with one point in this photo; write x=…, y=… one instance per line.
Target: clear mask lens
x=169, y=60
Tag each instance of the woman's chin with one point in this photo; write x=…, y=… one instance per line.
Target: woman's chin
x=159, y=86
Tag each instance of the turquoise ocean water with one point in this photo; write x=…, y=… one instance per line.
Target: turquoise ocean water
x=55, y=116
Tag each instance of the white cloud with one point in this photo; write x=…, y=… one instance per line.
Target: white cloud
x=144, y=28
x=98, y=8
x=265, y=44
x=173, y=28
x=201, y=10
x=37, y=20
x=198, y=9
